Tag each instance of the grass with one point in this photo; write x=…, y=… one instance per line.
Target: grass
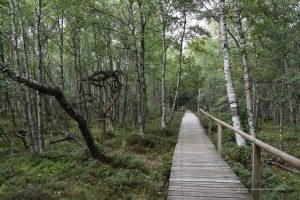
x=140, y=168
x=277, y=184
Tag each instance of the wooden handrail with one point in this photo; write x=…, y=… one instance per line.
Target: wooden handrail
x=256, y=154
x=284, y=156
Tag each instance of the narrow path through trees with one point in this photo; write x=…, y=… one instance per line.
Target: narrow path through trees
x=198, y=171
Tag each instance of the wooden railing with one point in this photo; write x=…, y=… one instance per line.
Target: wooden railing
x=258, y=146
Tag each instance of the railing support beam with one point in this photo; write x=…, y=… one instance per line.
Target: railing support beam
x=219, y=137
x=256, y=172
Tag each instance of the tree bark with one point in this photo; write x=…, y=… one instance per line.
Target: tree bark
x=243, y=52
x=163, y=69
x=227, y=73
x=14, y=35
x=61, y=49
x=1, y=45
x=125, y=102
x=142, y=68
x=138, y=73
x=40, y=131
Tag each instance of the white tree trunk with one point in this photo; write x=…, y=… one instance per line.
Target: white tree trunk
x=163, y=71
x=61, y=50
x=163, y=89
x=243, y=52
x=227, y=73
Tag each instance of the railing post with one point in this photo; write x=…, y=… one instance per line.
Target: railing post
x=219, y=137
x=209, y=126
x=256, y=171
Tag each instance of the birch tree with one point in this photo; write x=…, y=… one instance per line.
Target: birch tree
x=164, y=64
x=227, y=74
x=243, y=52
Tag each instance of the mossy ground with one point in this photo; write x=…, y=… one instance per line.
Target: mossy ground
x=140, y=167
x=277, y=184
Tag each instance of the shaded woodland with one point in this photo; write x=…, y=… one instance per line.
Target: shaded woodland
x=103, y=85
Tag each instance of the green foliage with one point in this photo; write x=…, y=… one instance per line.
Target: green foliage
x=243, y=173
x=241, y=155
x=166, y=166
x=128, y=161
x=68, y=172
x=139, y=143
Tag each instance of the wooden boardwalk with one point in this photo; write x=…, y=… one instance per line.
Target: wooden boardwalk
x=198, y=171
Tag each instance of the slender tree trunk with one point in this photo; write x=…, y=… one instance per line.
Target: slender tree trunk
x=256, y=84
x=199, y=97
x=243, y=53
x=40, y=131
x=289, y=91
x=61, y=50
x=14, y=36
x=100, y=91
x=180, y=66
x=140, y=109
x=143, y=89
x=163, y=70
x=16, y=58
x=12, y=113
x=111, y=113
x=227, y=73
x=28, y=110
x=1, y=44
x=256, y=102
x=125, y=98
x=281, y=117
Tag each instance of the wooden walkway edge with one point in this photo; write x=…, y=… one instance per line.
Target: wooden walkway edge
x=198, y=171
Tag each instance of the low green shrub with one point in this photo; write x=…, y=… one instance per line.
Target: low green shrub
x=240, y=155
x=139, y=143
x=166, y=166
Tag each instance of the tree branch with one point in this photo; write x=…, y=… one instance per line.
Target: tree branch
x=59, y=96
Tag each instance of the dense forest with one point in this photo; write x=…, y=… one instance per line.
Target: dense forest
x=92, y=92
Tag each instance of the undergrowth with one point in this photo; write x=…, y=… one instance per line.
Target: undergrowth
x=140, y=167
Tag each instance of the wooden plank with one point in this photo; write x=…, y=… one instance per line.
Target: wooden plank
x=198, y=171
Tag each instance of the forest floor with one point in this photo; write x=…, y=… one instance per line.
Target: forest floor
x=277, y=184
x=140, y=168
